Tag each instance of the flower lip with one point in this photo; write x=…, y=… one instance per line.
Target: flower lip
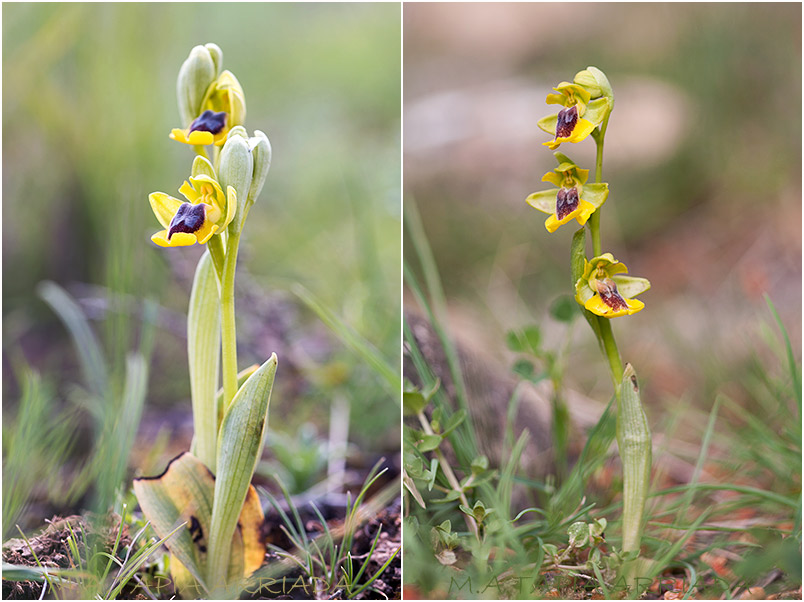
x=567, y=201
x=209, y=121
x=607, y=289
x=567, y=120
x=189, y=219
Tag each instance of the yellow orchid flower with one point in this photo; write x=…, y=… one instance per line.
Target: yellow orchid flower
x=188, y=223
x=605, y=290
x=575, y=199
x=579, y=117
x=222, y=108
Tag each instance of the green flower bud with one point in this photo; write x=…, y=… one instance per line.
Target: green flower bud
x=235, y=169
x=217, y=56
x=195, y=76
x=261, y=153
x=595, y=82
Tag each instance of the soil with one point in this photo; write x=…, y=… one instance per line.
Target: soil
x=52, y=550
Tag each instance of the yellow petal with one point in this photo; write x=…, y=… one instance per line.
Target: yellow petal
x=205, y=232
x=189, y=192
x=164, y=207
x=231, y=205
x=196, y=138
x=596, y=305
x=179, y=239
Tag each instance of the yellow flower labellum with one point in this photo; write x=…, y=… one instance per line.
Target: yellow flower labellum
x=207, y=128
x=184, y=223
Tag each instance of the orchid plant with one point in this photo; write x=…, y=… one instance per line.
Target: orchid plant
x=601, y=284
x=208, y=489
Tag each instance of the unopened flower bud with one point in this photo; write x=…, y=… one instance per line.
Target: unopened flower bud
x=595, y=82
x=261, y=153
x=235, y=169
x=195, y=76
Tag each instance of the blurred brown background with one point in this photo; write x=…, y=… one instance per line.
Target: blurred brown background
x=702, y=156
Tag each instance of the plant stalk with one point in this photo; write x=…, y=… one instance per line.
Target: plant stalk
x=228, y=329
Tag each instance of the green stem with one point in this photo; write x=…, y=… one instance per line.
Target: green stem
x=228, y=331
x=609, y=345
x=594, y=220
x=605, y=333
x=201, y=150
x=451, y=478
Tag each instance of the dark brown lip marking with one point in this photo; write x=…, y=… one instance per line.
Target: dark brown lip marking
x=567, y=201
x=567, y=118
x=189, y=218
x=209, y=121
x=607, y=289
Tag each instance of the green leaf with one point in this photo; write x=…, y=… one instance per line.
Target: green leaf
x=526, y=340
x=429, y=443
x=634, y=443
x=454, y=422
x=564, y=309
x=578, y=533
x=413, y=402
x=577, y=255
x=203, y=354
x=89, y=350
x=480, y=464
x=183, y=494
x=240, y=444
x=527, y=371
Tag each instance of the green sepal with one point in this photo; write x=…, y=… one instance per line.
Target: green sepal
x=202, y=167
x=544, y=200
x=203, y=354
x=240, y=443
x=630, y=286
x=596, y=194
x=596, y=111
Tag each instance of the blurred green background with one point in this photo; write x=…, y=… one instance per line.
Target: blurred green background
x=89, y=101
x=702, y=157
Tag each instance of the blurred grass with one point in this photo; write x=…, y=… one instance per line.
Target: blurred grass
x=90, y=98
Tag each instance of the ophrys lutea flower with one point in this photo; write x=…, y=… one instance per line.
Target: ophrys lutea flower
x=222, y=108
x=579, y=117
x=206, y=212
x=605, y=290
x=574, y=199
